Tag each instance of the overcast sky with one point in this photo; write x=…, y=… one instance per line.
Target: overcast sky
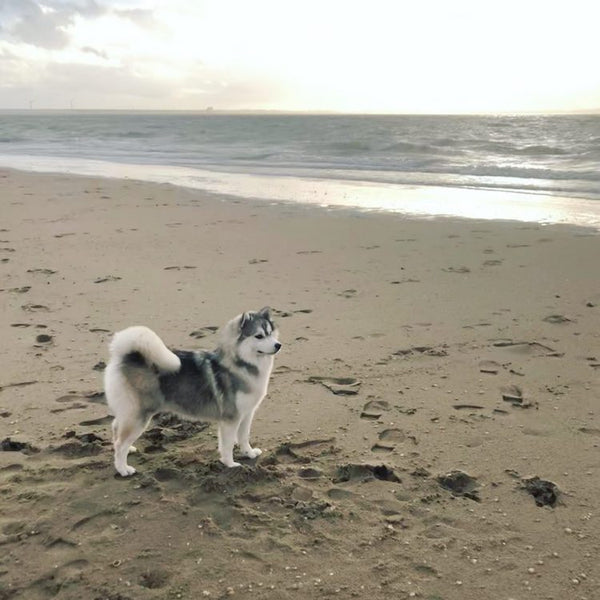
x=415, y=56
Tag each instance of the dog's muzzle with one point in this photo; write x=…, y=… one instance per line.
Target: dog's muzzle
x=276, y=347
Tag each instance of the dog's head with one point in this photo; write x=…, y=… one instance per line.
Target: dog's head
x=250, y=336
x=257, y=334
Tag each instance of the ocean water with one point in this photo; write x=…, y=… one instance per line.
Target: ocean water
x=533, y=168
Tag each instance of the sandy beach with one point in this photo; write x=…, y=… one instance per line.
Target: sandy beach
x=431, y=430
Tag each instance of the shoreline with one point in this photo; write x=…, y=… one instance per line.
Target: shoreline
x=418, y=201
x=412, y=348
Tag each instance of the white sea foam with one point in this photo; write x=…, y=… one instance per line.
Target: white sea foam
x=407, y=199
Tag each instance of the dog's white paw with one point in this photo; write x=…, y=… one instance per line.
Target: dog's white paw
x=231, y=463
x=126, y=471
x=253, y=452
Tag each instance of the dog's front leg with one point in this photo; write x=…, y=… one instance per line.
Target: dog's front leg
x=244, y=437
x=227, y=439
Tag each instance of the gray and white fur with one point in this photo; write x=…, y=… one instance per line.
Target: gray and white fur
x=143, y=377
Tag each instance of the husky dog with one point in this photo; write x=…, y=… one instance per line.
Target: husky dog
x=143, y=377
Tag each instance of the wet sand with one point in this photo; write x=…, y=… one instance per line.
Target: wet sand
x=431, y=371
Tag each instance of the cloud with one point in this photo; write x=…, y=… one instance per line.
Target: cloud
x=98, y=53
x=139, y=16
x=45, y=25
x=45, y=31
x=48, y=24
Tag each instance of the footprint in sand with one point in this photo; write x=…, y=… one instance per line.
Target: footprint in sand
x=107, y=278
x=348, y=293
x=305, y=452
x=17, y=384
x=74, y=401
x=460, y=484
x=98, y=521
x=309, y=473
x=301, y=494
x=457, y=270
x=340, y=386
x=93, y=397
x=42, y=271
x=364, y=472
x=557, y=319
x=590, y=431
x=340, y=494
x=388, y=440
x=166, y=474
x=489, y=366
x=544, y=492
x=59, y=577
x=281, y=313
x=426, y=350
x=31, y=307
x=203, y=331
x=8, y=445
x=593, y=362
x=177, y=268
x=374, y=409
x=99, y=421
x=534, y=348
x=79, y=446
x=474, y=325
x=514, y=395
x=154, y=579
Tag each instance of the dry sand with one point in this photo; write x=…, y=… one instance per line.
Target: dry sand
x=412, y=349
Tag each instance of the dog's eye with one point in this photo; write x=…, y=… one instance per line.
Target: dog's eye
x=259, y=336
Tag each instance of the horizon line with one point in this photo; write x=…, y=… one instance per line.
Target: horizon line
x=215, y=111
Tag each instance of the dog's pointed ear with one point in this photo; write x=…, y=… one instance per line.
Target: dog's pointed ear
x=265, y=313
x=244, y=320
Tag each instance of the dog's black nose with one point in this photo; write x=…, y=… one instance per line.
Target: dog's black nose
x=277, y=347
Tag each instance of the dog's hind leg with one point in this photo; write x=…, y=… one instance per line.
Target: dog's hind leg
x=227, y=438
x=132, y=449
x=243, y=435
x=125, y=432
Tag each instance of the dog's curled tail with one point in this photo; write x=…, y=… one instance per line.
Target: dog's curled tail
x=143, y=340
